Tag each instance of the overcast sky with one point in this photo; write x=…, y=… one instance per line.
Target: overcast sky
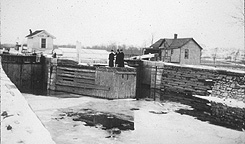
x=131, y=22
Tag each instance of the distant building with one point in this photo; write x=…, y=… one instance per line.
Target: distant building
x=176, y=50
x=40, y=40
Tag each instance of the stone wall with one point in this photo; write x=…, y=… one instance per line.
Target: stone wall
x=232, y=117
x=187, y=80
x=196, y=80
x=230, y=86
x=216, y=95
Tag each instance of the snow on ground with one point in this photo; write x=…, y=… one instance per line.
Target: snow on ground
x=225, y=101
x=19, y=124
x=150, y=125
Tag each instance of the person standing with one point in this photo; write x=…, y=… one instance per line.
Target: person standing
x=121, y=59
x=42, y=58
x=54, y=55
x=117, y=58
x=34, y=53
x=111, y=59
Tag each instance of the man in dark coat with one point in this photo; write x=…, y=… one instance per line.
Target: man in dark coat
x=54, y=55
x=122, y=53
x=111, y=59
x=121, y=59
x=117, y=57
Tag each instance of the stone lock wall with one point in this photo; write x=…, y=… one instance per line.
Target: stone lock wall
x=216, y=95
x=196, y=80
x=187, y=80
x=231, y=85
x=218, y=83
x=232, y=117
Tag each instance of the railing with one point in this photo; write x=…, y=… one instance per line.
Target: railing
x=166, y=58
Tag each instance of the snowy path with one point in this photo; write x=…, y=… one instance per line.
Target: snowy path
x=19, y=124
x=154, y=122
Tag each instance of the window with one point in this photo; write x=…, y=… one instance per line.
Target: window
x=186, y=53
x=43, y=43
x=172, y=51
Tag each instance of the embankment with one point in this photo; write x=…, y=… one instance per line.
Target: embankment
x=19, y=124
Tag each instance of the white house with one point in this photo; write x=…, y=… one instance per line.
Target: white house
x=177, y=50
x=40, y=40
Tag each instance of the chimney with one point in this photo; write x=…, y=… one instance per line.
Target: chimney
x=30, y=31
x=175, y=36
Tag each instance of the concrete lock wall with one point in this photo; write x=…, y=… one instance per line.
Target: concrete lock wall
x=195, y=80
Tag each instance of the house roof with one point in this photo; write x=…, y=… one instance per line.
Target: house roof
x=37, y=32
x=34, y=33
x=157, y=44
x=172, y=43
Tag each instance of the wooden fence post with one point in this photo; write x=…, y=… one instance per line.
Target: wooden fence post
x=155, y=83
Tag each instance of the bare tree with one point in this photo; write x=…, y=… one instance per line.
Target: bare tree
x=239, y=17
x=236, y=55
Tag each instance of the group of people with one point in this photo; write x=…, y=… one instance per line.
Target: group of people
x=119, y=62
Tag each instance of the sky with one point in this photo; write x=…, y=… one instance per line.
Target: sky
x=130, y=22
